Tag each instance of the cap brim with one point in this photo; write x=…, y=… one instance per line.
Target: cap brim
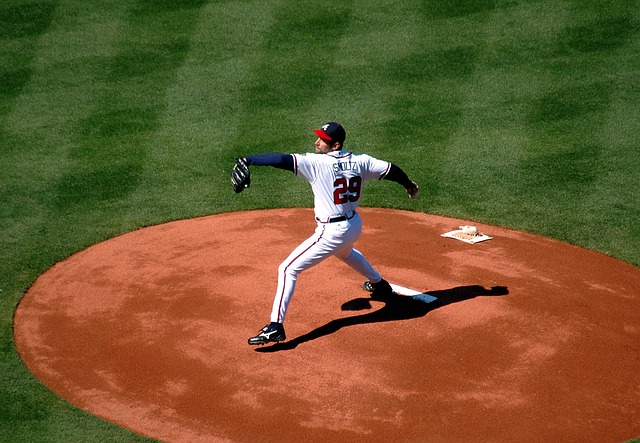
x=320, y=133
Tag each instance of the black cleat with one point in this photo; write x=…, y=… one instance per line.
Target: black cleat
x=381, y=289
x=271, y=333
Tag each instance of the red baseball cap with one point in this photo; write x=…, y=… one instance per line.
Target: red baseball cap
x=332, y=132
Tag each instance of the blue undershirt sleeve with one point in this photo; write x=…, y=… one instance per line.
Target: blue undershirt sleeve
x=396, y=174
x=275, y=159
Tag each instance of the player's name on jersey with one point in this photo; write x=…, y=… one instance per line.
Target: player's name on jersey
x=343, y=166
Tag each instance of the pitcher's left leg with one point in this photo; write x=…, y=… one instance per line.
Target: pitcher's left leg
x=351, y=256
x=308, y=254
x=357, y=261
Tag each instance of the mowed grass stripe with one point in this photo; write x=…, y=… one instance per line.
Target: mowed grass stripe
x=20, y=26
x=297, y=57
x=199, y=137
x=112, y=141
x=605, y=42
x=570, y=159
x=191, y=153
x=109, y=143
x=492, y=137
x=38, y=130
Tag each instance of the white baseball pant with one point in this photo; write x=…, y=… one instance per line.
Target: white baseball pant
x=329, y=239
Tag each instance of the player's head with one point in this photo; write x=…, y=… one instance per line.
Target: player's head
x=332, y=133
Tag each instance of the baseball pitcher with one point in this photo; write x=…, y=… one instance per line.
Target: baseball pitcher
x=336, y=177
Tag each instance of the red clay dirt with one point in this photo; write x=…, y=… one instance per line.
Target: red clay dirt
x=531, y=340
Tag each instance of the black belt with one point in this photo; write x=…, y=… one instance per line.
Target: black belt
x=338, y=219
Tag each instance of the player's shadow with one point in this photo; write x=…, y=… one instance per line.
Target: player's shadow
x=396, y=307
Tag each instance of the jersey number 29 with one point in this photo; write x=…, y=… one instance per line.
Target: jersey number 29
x=347, y=190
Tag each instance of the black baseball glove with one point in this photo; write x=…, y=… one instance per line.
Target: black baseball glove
x=240, y=175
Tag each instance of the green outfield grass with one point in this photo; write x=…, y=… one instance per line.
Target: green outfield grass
x=116, y=115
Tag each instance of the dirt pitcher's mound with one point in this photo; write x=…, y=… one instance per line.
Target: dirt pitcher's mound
x=530, y=340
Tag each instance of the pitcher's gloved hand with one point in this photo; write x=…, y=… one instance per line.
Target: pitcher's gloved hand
x=240, y=175
x=413, y=190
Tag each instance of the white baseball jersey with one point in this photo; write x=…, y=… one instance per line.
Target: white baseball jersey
x=336, y=179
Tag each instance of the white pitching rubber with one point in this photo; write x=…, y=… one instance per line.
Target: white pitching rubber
x=416, y=295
